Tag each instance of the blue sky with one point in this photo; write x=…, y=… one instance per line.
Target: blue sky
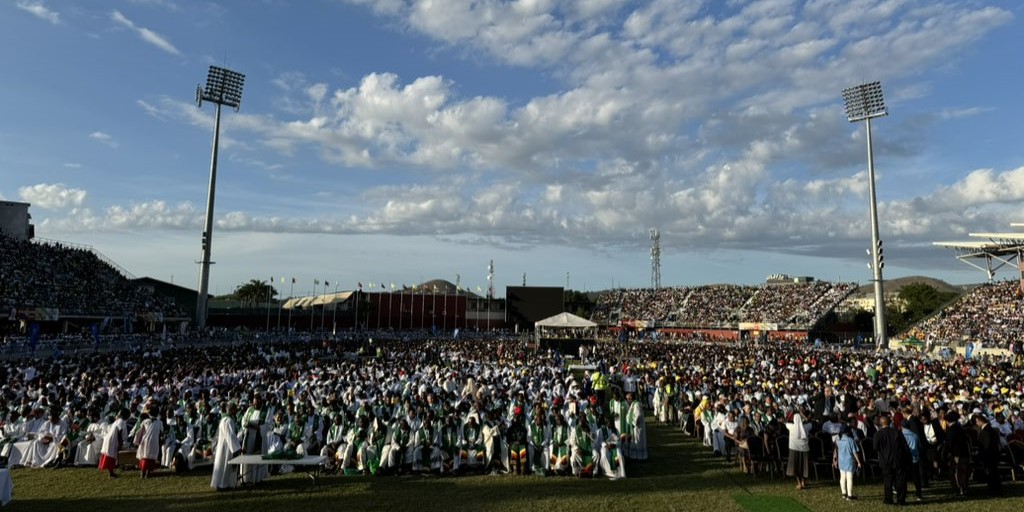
x=404, y=140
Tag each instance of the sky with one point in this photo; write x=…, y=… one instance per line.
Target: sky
x=396, y=141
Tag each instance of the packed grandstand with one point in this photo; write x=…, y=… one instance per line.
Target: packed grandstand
x=50, y=280
x=44, y=281
x=724, y=306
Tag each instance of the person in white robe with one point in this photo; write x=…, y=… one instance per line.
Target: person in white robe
x=335, y=443
x=115, y=437
x=227, y=447
x=635, y=416
x=255, y=425
x=46, y=447
x=472, y=452
x=538, y=446
x=558, y=452
x=175, y=430
x=398, y=445
x=451, y=446
x=581, y=450
x=19, y=453
x=147, y=438
x=91, y=444
x=13, y=431
x=495, y=445
x=611, y=463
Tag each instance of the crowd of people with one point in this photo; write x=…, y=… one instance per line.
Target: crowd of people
x=801, y=408
x=723, y=305
x=494, y=404
x=991, y=313
x=73, y=280
x=441, y=406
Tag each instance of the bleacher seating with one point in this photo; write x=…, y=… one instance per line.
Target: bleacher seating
x=73, y=280
x=723, y=305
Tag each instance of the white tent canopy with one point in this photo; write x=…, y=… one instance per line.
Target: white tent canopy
x=565, y=325
x=326, y=300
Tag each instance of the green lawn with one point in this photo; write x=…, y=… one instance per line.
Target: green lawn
x=681, y=476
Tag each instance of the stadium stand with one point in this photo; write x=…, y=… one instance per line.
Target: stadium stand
x=74, y=281
x=723, y=305
x=991, y=313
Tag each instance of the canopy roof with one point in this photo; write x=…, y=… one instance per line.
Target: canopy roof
x=567, y=320
x=328, y=299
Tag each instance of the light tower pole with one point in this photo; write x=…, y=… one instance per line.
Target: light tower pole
x=223, y=88
x=863, y=103
x=655, y=258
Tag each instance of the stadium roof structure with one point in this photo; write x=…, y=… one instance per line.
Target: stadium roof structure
x=328, y=299
x=996, y=249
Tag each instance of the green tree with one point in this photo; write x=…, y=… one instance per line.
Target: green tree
x=920, y=300
x=254, y=292
x=578, y=303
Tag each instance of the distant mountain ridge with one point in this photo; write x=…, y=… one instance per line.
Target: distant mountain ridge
x=895, y=285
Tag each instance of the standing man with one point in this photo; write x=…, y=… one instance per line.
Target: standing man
x=894, y=459
x=914, y=470
x=988, y=452
x=958, y=449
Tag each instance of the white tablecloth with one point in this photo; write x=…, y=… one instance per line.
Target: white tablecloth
x=5, y=486
x=308, y=460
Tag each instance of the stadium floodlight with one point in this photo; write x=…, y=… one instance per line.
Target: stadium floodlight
x=223, y=88
x=864, y=103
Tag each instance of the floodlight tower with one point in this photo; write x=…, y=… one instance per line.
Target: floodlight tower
x=223, y=88
x=655, y=258
x=863, y=103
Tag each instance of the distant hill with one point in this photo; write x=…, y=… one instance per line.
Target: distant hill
x=895, y=285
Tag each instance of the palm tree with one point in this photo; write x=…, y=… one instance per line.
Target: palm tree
x=254, y=292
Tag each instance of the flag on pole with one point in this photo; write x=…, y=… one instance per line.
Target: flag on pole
x=293, y=280
x=316, y=282
x=282, y=280
x=327, y=283
x=392, y=286
x=360, y=285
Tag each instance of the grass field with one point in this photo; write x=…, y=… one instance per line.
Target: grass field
x=680, y=476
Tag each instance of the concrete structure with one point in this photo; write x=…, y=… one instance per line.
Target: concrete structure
x=15, y=221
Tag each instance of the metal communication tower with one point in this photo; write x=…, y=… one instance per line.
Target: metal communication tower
x=655, y=258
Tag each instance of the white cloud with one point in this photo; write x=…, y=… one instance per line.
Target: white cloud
x=72, y=165
x=146, y=34
x=39, y=10
x=104, y=138
x=52, y=196
x=166, y=4
x=721, y=126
